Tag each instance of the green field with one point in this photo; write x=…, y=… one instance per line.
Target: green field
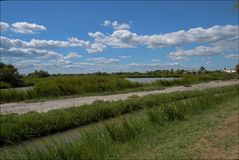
x=153, y=127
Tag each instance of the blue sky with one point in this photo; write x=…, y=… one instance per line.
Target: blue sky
x=80, y=37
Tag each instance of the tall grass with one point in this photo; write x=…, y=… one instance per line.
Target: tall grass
x=197, y=78
x=64, y=86
x=99, y=142
x=123, y=130
x=16, y=128
x=88, y=84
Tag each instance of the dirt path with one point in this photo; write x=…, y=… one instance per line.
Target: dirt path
x=22, y=107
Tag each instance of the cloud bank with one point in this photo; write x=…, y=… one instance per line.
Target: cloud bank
x=215, y=40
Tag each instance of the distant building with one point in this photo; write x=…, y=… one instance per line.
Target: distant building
x=229, y=70
x=190, y=72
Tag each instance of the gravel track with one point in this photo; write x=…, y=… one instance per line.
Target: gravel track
x=23, y=107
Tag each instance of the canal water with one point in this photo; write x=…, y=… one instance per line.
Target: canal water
x=151, y=79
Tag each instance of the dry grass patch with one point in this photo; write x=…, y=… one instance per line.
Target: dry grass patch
x=221, y=142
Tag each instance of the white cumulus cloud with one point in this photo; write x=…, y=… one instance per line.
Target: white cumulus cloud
x=127, y=39
x=27, y=28
x=103, y=60
x=116, y=25
x=28, y=52
x=232, y=56
x=120, y=26
x=73, y=55
x=75, y=42
x=214, y=49
x=106, y=23
x=34, y=43
x=213, y=41
x=96, y=48
x=4, y=26
x=155, y=60
x=124, y=57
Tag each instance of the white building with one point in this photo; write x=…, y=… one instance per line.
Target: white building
x=229, y=70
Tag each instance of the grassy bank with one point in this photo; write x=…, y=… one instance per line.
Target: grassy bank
x=16, y=128
x=155, y=127
x=65, y=86
x=52, y=87
x=187, y=139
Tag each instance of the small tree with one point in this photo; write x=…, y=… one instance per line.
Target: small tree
x=237, y=68
x=202, y=69
x=171, y=70
x=40, y=74
x=9, y=74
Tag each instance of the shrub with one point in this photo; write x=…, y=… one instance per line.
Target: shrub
x=4, y=85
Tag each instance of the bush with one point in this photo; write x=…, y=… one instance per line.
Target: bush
x=39, y=74
x=4, y=85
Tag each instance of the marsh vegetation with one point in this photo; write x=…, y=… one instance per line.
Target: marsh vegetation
x=109, y=139
x=60, y=86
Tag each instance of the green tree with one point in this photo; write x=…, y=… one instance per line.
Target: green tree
x=9, y=74
x=202, y=69
x=237, y=68
x=40, y=74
